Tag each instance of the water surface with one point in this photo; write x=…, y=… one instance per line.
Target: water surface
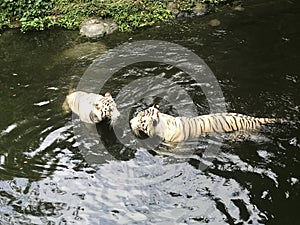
x=45, y=178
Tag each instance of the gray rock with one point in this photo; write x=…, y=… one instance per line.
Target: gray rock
x=86, y=50
x=80, y=52
x=173, y=8
x=214, y=22
x=97, y=27
x=239, y=8
x=200, y=9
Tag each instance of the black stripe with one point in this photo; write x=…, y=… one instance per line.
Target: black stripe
x=242, y=122
x=183, y=126
x=235, y=122
x=258, y=121
x=256, y=124
x=218, y=119
x=217, y=122
x=214, y=123
x=225, y=119
x=197, y=125
x=252, y=125
x=190, y=127
x=202, y=128
x=247, y=123
x=211, y=126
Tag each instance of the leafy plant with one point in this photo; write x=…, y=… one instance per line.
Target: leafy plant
x=29, y=13
x=70, y=14
x=128, y=14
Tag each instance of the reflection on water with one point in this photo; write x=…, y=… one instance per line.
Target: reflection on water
x=45, y=179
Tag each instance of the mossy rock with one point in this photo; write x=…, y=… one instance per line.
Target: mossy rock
x=86, y=51
x=96, y=27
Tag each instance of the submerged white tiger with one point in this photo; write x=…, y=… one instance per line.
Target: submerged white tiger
x=176, y=129
x=90, y=107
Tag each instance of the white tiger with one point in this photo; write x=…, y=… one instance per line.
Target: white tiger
x=176, y=129
x=90, y=107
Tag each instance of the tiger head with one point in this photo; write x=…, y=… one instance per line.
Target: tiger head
x=104, y=107
x=146, y=121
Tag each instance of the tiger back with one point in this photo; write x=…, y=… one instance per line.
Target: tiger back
x=90, y=107
x=176, y=129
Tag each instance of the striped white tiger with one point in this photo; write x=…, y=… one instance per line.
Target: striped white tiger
x=90, y=107
x=176, y=129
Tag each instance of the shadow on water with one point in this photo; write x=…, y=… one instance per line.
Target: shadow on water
x=45, y=177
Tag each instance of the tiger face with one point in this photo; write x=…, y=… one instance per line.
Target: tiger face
x=146, y=121
x=104, y=107
x=92, y=108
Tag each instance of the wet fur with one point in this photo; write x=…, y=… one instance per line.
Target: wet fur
x=90, y=107
x=176, y=129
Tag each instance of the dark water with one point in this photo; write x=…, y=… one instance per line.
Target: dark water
x=46, y=179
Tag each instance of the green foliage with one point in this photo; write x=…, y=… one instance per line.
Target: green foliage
x=186, y=5
x=30, y=13
x=70, y=14
x=214, y=1
x=128, y=14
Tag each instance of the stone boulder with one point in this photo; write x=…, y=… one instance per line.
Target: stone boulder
x=96, y=27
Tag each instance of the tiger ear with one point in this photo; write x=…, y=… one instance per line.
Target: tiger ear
x=156, y=106
x=107, y=94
